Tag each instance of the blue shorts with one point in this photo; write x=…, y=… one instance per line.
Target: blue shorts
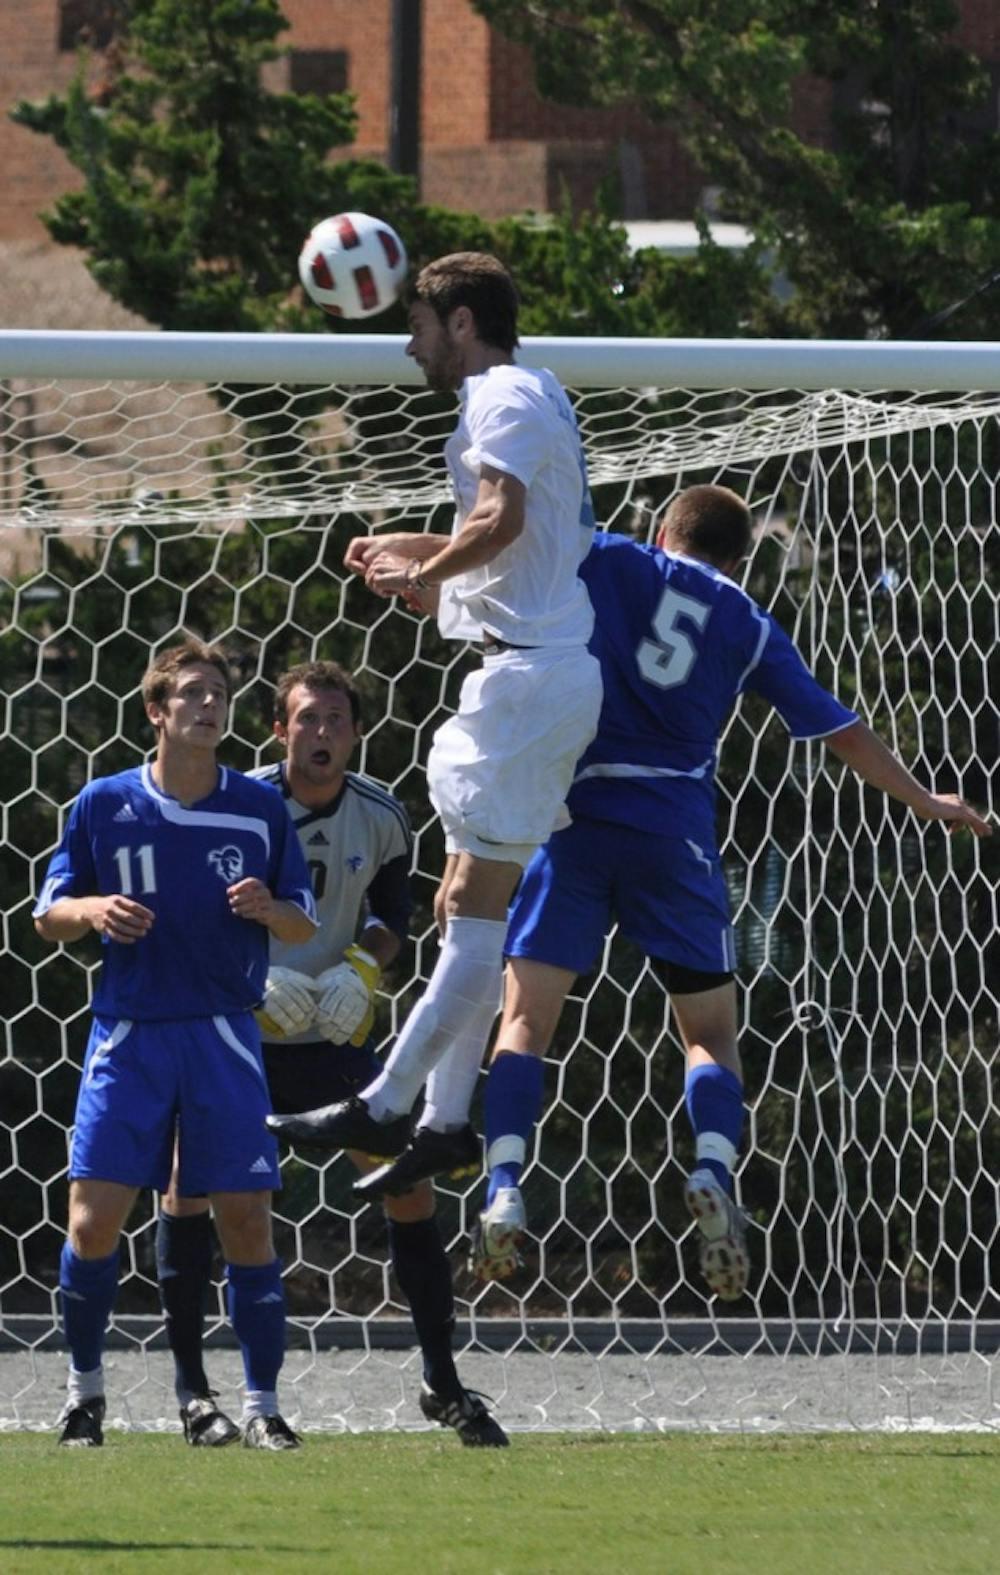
x=305, y=1076
x=201, y=1078
x=666, y=894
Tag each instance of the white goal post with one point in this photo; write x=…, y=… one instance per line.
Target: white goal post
x=153, y=484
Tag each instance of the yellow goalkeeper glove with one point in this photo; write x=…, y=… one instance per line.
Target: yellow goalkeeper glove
x=345, y=994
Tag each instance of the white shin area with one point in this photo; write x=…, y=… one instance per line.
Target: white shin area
x=454, y=1014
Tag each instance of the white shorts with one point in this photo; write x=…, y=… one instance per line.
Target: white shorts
x=499, y=769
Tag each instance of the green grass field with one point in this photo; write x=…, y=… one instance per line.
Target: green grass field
x=392, y=1504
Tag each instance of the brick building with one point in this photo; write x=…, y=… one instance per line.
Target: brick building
x=488, y=141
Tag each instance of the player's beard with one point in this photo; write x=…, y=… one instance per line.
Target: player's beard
x=443, y=370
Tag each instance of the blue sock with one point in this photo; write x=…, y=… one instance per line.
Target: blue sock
x=714, y=1098
x=185, y=1244
x=256, y=1300
x=511, y=1105
x=423, y=1273
x=88, y=1288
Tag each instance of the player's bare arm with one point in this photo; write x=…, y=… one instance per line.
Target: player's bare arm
x=120, y=918
x=286, y=921
x=392, y=568
x=383, y=943
x=858, y=747
x=363, y=550
x=495, y=520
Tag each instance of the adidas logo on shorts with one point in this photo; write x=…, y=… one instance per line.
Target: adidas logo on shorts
x=260, y=1167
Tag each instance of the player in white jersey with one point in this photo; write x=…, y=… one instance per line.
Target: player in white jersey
x=678, y=642
x=499, y=770
x=316, y=1021
x=184, y=869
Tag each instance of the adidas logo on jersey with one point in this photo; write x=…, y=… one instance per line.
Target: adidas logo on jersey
x=319, y=840
x=260, y=1167
x=126, y=813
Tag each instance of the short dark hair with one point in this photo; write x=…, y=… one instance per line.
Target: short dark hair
x=315, y=675
x=707, y=522
x=160, y=677
x=476, y=280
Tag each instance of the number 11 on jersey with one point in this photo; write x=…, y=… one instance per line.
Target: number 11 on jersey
x=143, y=857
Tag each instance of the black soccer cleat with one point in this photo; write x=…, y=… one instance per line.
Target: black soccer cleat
x=270, y=1432
x=205, y=1426
x=467, y=1414
x=82, y=1425
x=344, y=1125
x=452, y=1154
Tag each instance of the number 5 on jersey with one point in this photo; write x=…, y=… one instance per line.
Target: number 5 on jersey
x=668, y=659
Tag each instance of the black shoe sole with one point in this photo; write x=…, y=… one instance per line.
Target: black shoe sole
x=91, y=1433
x=366, y=1137
x=217, y=1435
x=394, y=1180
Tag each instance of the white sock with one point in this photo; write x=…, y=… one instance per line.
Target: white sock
x=259, y=1402
x=456, y=1009
x=84, y=1386
x=452, y=1083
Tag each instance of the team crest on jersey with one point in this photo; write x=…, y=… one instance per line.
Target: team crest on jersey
x=354, y=863
x=227, y=863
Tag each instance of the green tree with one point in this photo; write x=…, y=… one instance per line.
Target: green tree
x=894, y=222
x=200, y=185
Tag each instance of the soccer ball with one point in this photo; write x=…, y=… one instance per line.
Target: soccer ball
x=352, y=265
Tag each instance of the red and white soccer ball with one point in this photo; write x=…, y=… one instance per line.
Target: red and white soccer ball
x=352, y=265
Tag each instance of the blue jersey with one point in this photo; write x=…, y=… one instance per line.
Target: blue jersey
x=198, y=960
x=678, y=643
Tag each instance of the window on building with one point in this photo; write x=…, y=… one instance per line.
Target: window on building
x=318, y=71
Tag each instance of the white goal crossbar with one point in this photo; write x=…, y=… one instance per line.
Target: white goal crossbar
x=157, y=483
x=580, y=363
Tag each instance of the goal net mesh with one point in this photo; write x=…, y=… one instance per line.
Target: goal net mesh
x=135, y=512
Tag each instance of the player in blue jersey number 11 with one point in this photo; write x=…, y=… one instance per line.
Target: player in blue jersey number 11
x=185, y=870
x=317, y=1023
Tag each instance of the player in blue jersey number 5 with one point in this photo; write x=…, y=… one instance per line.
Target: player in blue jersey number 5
x=185, y=870
x=678, y=642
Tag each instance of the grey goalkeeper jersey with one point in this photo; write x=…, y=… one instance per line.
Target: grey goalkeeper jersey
x=358, y=849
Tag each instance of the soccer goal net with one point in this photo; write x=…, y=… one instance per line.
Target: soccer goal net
x=153, y=485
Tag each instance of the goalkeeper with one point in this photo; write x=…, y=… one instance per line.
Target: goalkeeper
x=316, y=1022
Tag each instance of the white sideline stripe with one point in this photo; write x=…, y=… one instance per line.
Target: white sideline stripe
x=504, y=1150
x=764, y=634
x=624, y=770
x=699, y=854
x=728, y=950
x=171, y=810
x=104, y=1048
x=712, y=1145
x=228, y=1037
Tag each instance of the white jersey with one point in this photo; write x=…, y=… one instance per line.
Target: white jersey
x=358, y=851
x=520, y=420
